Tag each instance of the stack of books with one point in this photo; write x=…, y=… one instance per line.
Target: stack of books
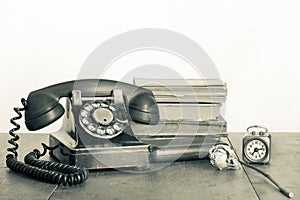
x=187, y=107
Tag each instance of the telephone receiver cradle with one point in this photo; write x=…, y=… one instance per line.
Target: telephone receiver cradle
x=96, y=131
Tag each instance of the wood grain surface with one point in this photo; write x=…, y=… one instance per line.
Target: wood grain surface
x=180, y=180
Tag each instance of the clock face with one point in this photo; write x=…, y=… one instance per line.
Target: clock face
x=256, y=150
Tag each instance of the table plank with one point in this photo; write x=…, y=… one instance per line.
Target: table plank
x=17, y=186
x=284, y=165
x=181, y=180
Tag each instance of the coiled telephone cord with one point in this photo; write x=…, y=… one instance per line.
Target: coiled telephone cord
x=46, y=171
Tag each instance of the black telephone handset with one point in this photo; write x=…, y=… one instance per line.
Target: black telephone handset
x=43, y=107
x=105, y=102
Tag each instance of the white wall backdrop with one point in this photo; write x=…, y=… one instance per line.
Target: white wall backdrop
x=254, y=44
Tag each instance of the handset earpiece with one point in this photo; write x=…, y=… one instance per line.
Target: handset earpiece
x=43, y=109
x=143, y=109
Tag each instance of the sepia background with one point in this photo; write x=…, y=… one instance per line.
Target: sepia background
x=255, y=46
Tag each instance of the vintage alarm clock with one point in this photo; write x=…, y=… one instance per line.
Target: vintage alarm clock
x=257, y=145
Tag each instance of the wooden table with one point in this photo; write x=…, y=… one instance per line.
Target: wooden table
x=180, y=180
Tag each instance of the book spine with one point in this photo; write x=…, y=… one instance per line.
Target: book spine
x=142, y=82
x=196, y=91
x=189, y=112
x=169, y=129
x=189, y=99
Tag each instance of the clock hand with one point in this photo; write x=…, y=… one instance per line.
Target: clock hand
x=255, y=151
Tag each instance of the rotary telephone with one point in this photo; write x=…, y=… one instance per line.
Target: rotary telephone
x=95, y=134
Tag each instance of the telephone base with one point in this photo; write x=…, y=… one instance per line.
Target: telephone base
x=106, y=157
x=138, y=155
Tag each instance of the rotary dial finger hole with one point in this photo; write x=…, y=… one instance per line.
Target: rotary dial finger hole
x=102, y=119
